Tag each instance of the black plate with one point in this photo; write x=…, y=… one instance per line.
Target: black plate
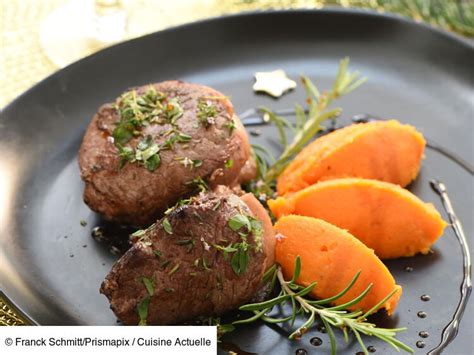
x=52, y=268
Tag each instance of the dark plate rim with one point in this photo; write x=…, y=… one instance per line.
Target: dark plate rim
x=460, y=40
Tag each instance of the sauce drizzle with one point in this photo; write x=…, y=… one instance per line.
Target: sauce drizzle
x=452, y=328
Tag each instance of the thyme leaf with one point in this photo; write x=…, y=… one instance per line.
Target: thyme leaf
x=149, y=285
x=229, y=163
x=187, y=162
x=167, y=226
x=153, y=162
x=240, y=258
x=231, y=126
x=142, y=309
x=174, y=269
x=238, y=221
x=199, y=183
x=125, y=154
x=207, y=113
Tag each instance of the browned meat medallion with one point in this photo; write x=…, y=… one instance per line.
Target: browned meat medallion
x=207, y=256
x=156, y=144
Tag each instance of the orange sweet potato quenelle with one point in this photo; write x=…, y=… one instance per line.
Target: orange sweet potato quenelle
x=383, y=216
x=381, y=150
x=331, y=257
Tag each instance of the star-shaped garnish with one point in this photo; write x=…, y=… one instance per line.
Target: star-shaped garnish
x=274, y=83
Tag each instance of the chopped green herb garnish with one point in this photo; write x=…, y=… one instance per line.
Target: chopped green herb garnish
x=175, y=136
x=125, y=154
x=182, y=202
x=142, y=309
x=138, y=110
x=217, y=205
x=83, y=223
x=123, y=133
x=231, y=126
x=238, y=221
x=157, y=253
x=173, y=110
x=252, y=225
x=169, y=142
x=240, y=259
x=167, y=226
x=207, y=113
x=257, y=232
x=226, y=250
x=145, y=143
x=183, y=138
x=146, y=148
x=153, y=162
x=149, y=285
x=229, y=163
x=169, y=289
x=174, y=269
x=199, y=183
x=147, y=153
x=204, y=263
x=239, y=251
x=141, y=234
x=189, y=162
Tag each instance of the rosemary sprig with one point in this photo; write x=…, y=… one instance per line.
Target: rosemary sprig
x=307, y=126
x=349, y=322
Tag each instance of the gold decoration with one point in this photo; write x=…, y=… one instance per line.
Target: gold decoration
x=9, y=314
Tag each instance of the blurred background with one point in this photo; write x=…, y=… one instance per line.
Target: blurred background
x=39, y=37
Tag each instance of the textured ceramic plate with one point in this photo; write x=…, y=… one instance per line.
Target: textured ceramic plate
x=52, y=268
